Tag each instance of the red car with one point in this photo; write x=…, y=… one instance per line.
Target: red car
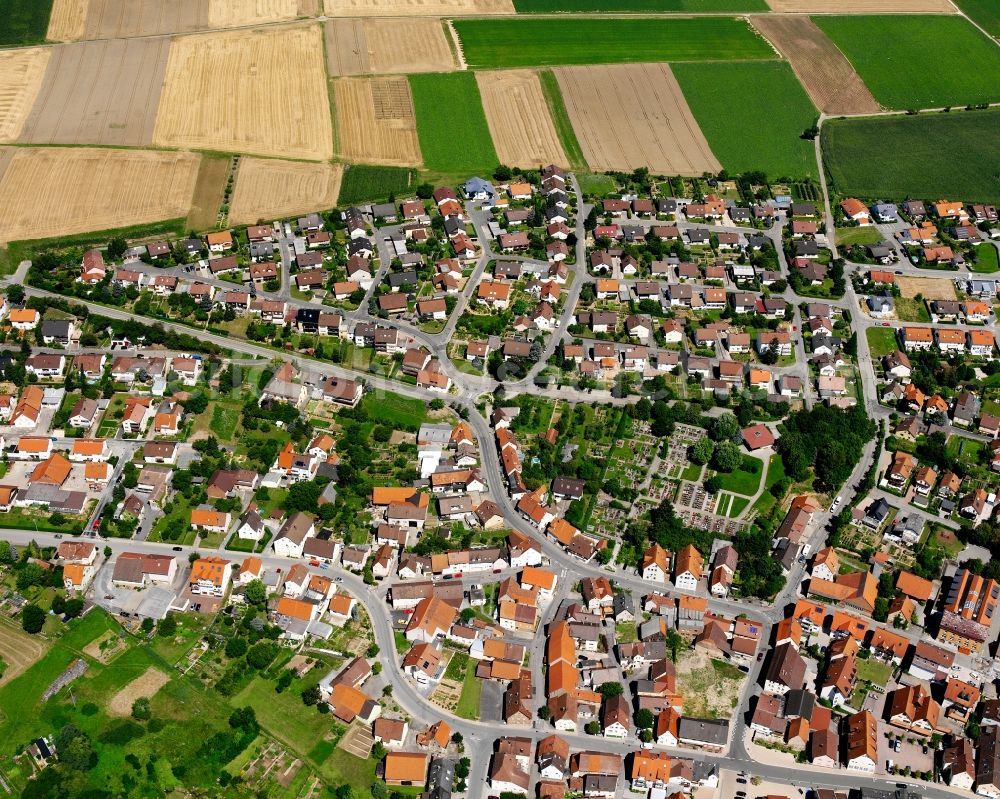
x=314, y=563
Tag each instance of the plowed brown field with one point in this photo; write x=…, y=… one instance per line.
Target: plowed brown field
x=518, y=116
x=824, y=71
x=61, y=191
x=424, y=8
x=262, y=91
x=110, y=19
x=21, y=75
x=631, y=115
x=375, y=121
x=104, y=92
x=270, y=189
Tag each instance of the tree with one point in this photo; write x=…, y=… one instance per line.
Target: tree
x=142, y=709
x=724, y=428
x=74, y=607
x=644, y=719
x=108, y=552
x=727, y=457
x=436, y=404
x=592, y=728
x=236, y=647
x=116, y=248
x=255, y=593
x=32, y=619
x=260, y=655
x=609, y=690
x=167, y=626
x=147, y=625
x=15, y=294
x=58, y=604
x=702, y=451
x=74, y=747
x=311, y=696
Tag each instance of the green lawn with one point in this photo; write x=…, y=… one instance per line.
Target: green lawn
x=640, y=6
x=915, y=156
x=596, y=184
x=984, y=12
x=535, y=42
x=404, y=413
x=224, y=421
x=910, y=310
x=988, y=261
x=468, y=702
x=274, y=711
x=965, y=449
x=918, y=61
x=874, y=671
x=451, y=124
x=846, y=236
x=560, y=118
x=753, y=116
x=746, y=479
x=24, y=21
x=881, y=341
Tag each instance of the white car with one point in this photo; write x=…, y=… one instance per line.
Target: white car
x=836, y=502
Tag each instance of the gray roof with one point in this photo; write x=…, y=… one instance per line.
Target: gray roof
x=709, y=731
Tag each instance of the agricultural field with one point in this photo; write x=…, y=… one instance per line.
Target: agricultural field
x=24, y=21
x=947, y=61
x=753, y=116
x=209, y=192
x=67, y=20
x=362, y=182
x=639, y=6
x=63, y=191
x=533, y=42
x=916, y=156
x=104, y=92
x=387, y=46
x=375, y=121
x=270, y=189
x=861, y=6
x=415, y=8
x=518, y=116
x=454, y=135
x=828, y=77
x=286, y=65
x=662, y=134
x=560, y=118
x=985, y=13
x=229, y=14
x=21, y=75
x=18, y=651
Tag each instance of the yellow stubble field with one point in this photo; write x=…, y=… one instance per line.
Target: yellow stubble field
x=21, y=76
x=518, y=117
x=270, y=189
x=375, y=121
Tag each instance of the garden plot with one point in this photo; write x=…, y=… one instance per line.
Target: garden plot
x=828, y=77
x=376, y=122
x=21, y=76
x=62, y=191
x=229, y=73
x=104, y=92
x=272, y=189
x=630, y=116
x=519, y=120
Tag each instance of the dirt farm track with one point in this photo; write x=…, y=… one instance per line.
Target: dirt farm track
x=65, y=190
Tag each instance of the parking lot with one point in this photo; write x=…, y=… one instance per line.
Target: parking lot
x=153, y=601
x=491, y=701
x=910, y=755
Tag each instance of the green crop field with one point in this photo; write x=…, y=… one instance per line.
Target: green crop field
x=451, y=123
x=24, y=21
x=753, y=116
x=927, y=155
x=363, y=182
x=640, y=6
x=983, y=12
x=533, y=42
x=560, y=118
x=918, y=61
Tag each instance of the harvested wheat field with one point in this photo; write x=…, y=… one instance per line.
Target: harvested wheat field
x=270, y=189
x=214, y=84
x=518, y=116
x=862, y=6
x=18, y=651
x=416, y=8
x=631, y=115
x=66, y=190
x=21, y=75
x=390, y=46
x=932, y=288
x=146, y=685
x=375, y=121
x=824, y=71
x=67, y=20
x=237, y=13
x=103, y=92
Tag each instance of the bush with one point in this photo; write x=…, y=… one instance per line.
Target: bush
x=32, y=619
x=142, y=709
